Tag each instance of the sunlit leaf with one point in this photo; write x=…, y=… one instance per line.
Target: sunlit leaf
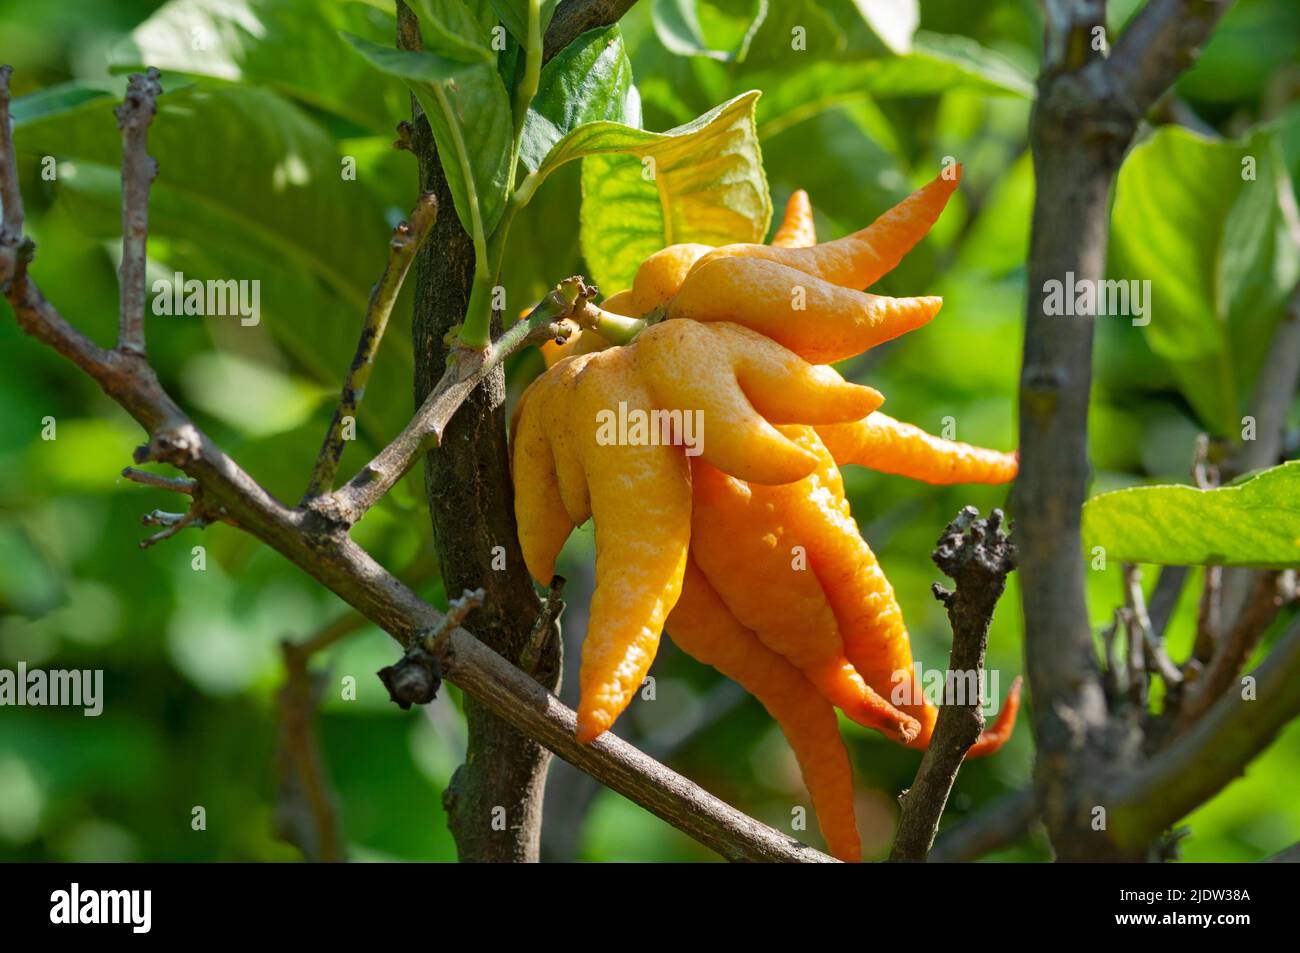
x=1254, y=522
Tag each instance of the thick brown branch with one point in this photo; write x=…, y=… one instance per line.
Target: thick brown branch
x=977, y=555
x=1158, y=44
x=517, y=698
x=138, y=172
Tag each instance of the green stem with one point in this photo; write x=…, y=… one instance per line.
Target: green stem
x=614, y=328
x=527, y=87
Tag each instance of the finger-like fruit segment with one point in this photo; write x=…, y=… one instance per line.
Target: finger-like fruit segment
x=660, y=276
x=744, y=544
x=725, y=377
x=797, y=228
x=704, y=628
x=891, y=446
x=819, y=321
x=861, y=259
x=640, y=500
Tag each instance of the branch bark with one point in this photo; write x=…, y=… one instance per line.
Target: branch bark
x=977, y=555
x=467, y=483
x=1212, y=753
x=1084, y=119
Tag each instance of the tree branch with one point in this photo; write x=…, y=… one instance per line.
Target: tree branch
x=1158, y=44
x=1215, y=750
x=552, y=318
x=575, y=17
x=1003, y=823
x=138, y=172
x=1082, y=124
x=406, y=240
x=517, y=698
x=977, y=555
x=323, y=550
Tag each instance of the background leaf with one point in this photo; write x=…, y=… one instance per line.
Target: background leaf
x=292, y=46
x=1216, y=251
x=1253, y=522
x=678, y=24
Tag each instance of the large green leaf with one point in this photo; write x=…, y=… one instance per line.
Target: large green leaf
x=450, y=29
x=1215, y=248
x=292, y=46
x=1254, y=522
x=701, y=182
x=469, y=112
x=590, y=81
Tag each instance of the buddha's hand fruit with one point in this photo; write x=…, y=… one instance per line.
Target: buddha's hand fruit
x=571, y=461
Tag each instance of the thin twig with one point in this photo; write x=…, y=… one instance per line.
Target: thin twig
x=1164, y=598
x=1232, y=653
x=158, y=481
x=978, y=556
x=552, y=318
x=1003, y=823
x=402, y=246
x=303, y=775
x=138, y=172
x=1140, y=635
x=171, y=523
x=11, y=196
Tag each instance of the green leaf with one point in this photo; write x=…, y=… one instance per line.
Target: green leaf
x=590, y=81
x=1215, y=249
x=938, y=63
x=894, y=21
x=469, y=113
x=1253, y=522
x=701, y=182
x=677, y=24
x=291, y=46
x=451, y=30
x=53, y=100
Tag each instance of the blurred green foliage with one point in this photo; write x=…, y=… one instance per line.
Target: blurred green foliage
x=266, y=106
